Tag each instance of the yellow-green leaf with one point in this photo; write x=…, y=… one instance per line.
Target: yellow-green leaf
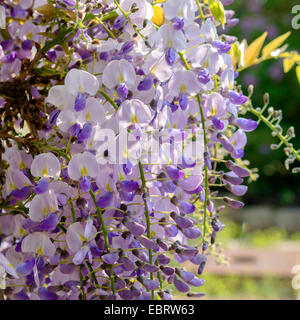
x=274, y=44
x=252, y=52
x=288, y=64
x=298, y=73
x=158, y=16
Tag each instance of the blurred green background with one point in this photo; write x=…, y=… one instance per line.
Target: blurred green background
x=270, y=221
x=275, y=185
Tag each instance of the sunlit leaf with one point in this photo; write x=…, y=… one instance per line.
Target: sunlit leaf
x=298, y=73
x=288, y=64
x=252, y=52
x=274, y=44
x=217, y=9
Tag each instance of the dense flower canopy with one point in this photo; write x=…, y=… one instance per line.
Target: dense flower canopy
x=133, y=121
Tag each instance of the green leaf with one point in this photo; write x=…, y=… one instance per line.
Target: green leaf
x=217, y=9
x=274, y=44
x=88, y=16
x=252, y=52
x=61, y=37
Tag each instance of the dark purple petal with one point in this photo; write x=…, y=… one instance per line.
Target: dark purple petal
x=80, y=102
x=148, y=243
x=203, y=76
x=238, y=190
x=122, y=90
x=126, y=294
x=21, y=194
x=145, y=84
x=196, y=282
x=178, y=23
x=186, y=207
x=74, y=129
x=167, y=270
x=185, y=275
x=85, y=132
x=45, y=294
x=129, y=185
x=53, y=116
x=222, y=47
x=149, y=268
x=232, y=178
x=171, y=231
x=127, y=168
x=50, y=222
x=170, y=56
x=180, y=285
x=241, y=172
x=237, y=154
x=127, y=47
x=42, y=186
x=237, y=98
x=21, y=295
x=85, y=184
x=110, y=258
x=246, y=124
x=233, y=203
x=135, y=228
x=163, y=259
x=218, y=124
x=26, y=267
x=27, y=44
x=192, y=233
x=105, y=200
x=151, y=284
x=119, y=22
x=183, y=101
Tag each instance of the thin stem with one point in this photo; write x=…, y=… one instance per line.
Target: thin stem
x=274, y=129
x=205, y=148
x=92, y=273
x=147, y=218
x=109, y=99
x=73, y=211
x=99, y=212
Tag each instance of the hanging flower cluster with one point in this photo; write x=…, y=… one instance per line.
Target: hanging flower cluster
x=134, y=123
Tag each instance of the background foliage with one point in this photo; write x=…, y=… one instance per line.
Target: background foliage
x=275, y=185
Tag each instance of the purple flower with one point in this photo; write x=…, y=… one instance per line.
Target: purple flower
x=178, y=23
x=237, y=98
x=26, y=267
x=42, y=186
x=174, y=173
x=119, y=22
x=85, y=132
x=122, y=90
x=170, y=56
x=203, y=76
x=129, y=185
x=80, y=102
x=145, y=84
x=127, y=47
x=247, y=125
x=50, y=222
x=180, y=285
x=110, y=258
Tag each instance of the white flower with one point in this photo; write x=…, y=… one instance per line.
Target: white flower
x=183, y=9
x=82, y=82
x=117, y=72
